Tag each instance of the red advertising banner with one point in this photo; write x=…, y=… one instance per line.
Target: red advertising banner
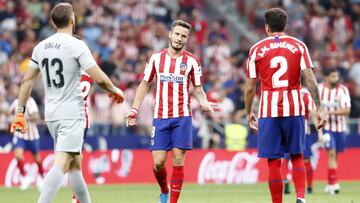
x=202, y=166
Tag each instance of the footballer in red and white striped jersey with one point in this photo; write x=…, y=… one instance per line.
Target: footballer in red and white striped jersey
x=173, y=78
x=31, y=108
x=175, y=69
x=86, y=82
x=309, y=105
x=278, y=60
x=29, y=141
x=334, y=99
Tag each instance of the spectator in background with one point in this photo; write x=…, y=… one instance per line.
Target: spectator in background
x=235, y=136
x=200, y=27
x=8, y=17
x=160, y=12
x=110, y=65
x=4, y=108
x=7, y=42
x=188, y=5
x=319, y=25
x=343, y=28
x=240, y=53
x=217, y=57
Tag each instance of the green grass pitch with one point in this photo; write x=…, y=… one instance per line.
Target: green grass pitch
x=192, y=193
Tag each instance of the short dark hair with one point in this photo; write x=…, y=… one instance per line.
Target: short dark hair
x=276, y=19
x=61, y=14
x=181, y=23
x=327, y=71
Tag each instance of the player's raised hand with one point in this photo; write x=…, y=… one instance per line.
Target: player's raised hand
x=320, y=119
x=130, y=118
x=208, y=106
x=117, y=95
x=19, y=124
x=252, y=121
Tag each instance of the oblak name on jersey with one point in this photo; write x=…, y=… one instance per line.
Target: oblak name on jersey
x=278, y=61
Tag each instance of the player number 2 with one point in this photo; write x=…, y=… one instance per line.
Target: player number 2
x=55, y=62
x=275, y=63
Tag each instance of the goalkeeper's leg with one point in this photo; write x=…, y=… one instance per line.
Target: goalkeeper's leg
x=77, y=181
x=54, y=177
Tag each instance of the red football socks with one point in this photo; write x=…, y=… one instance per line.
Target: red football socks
x=332, y=177
x=20, y=165
x=309, y=174
x=285, y=168
x=176, y=183
x=162, y=180
x=298, y=173
x=275, y=180
x=40, y=168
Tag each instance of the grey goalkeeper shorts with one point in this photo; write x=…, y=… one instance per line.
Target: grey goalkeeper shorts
x=68, y=134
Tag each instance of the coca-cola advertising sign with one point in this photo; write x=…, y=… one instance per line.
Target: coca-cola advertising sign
x=241, y=168
x=202, y=166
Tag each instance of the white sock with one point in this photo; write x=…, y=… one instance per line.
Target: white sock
x=78, y=185
x=52, y=183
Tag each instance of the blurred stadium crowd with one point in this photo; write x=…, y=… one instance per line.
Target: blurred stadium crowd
x=122, y=34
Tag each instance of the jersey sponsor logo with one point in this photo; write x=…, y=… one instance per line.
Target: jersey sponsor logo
x=174, y=78
x=331, y=104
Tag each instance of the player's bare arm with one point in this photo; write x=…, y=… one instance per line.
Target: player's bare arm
x=140, y=94
x=312, y=86
x=19, y=122
x=105, y=83
x=250, y=86
x=26, y=85
x=340, y=112
x=200, y=95
x=34, y=117
x=141, y=91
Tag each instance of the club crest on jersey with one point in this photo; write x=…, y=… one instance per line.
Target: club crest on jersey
x=183, y=66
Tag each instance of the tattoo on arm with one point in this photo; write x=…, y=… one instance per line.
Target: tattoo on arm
x=312, y=86
x=200, y=95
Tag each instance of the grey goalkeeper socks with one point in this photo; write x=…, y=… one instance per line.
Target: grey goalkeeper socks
x=51, y=185
x=79, y=187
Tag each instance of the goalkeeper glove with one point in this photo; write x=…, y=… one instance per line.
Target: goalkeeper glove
x=118, y=95
x=19, y=123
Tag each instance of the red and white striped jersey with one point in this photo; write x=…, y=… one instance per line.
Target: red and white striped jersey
x=31, y=108
x=85, y=82
x=309, y=105
x=173, y=78
x=332, y=100
x=278, y=61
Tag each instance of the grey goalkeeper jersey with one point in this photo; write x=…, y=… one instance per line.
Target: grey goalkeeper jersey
x=60, y=58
